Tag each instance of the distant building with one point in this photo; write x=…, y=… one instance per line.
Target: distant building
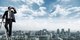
x=69, y=32
x=62, y=31
x=58, y=31
x=42, y=32
x=44, y=37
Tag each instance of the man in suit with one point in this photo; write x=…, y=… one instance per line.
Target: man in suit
x=9, y=18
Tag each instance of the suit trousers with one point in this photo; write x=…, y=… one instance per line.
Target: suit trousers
x=8, y=26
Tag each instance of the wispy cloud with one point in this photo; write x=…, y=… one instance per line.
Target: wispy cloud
x=39, y=2
x=25, y=11
x=71, y=12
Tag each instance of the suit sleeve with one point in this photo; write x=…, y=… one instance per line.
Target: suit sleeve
x=14, y=10
x=4, y=15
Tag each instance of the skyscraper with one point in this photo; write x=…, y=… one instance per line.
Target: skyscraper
x=62, y=31
x=58, y=31
x=68, y=32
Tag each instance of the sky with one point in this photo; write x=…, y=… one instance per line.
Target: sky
x=44, y=14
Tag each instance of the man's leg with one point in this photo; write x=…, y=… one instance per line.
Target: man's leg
x=10, y=28
x=6, y=26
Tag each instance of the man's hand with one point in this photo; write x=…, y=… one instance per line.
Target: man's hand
x=14, y=10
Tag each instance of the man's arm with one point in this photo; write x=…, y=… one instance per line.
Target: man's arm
x=4, y=15
x=14, y=10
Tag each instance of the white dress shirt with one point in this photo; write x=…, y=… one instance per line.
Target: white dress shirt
x=9, y=14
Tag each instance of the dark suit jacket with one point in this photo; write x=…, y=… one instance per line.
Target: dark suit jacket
x=5, y=15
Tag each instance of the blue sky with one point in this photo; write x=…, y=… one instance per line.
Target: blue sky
x=44, y=14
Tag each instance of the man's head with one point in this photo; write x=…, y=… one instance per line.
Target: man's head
x=9, y=8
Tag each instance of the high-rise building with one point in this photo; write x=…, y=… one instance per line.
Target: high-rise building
x=68, y=32
x=58, y=31
x=62, y=31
